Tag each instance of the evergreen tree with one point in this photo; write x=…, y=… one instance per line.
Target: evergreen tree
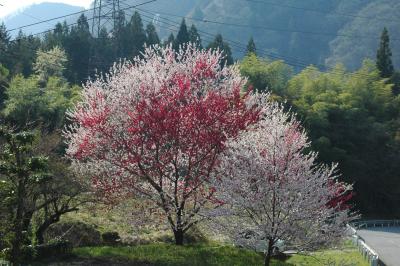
x=78, y=47
x=251, y=47
x=137, y=34
x=4, y=43
x=170, y=40
x=395, y=79
x=56, y=37
x=194, y=37
x=22, y=54
x=384, y=56
x=103, y=52
x=152, y=36
x=3, y=84
x=221, y=45
x=121, y=37
x=182, y=37
x=24, y=173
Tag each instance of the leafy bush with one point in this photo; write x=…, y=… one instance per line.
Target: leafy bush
x=111, y=238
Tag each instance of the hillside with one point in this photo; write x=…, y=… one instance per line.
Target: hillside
x=351, y=51
x=338, y=31
x=287, y=29
x=39, y=12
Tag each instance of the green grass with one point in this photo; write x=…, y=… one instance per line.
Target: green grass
x=211, y=254
x=330, y=257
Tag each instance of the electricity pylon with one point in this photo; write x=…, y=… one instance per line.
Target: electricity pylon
x=105, y=13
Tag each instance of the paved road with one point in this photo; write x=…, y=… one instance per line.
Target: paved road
x=385, y=241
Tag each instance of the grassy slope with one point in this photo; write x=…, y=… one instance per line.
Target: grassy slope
x=201, y=254
x=171, y=255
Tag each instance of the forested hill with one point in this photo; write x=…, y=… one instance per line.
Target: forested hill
x=305, y=32
x=338, y=30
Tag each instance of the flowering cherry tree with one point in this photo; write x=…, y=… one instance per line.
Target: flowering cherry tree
x=153, y=128
x=272, y=189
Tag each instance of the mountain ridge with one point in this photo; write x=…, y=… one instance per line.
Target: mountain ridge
x=39, y=12
x=303, y=33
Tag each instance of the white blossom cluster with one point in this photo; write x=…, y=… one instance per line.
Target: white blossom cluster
x=156, y=129
x=273, y=189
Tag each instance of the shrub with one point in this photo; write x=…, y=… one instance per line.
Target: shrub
x=111, y=238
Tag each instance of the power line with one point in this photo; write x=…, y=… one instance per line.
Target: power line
x=321, y=11
x=272, y=28
x=295, y=62
x=241, y=47
x=236, y=45
x=69, y=25
x=27, y=15
x=75, y=23
x=289, y=60
x=60, y=17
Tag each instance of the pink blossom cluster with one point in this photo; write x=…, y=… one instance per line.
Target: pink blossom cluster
x=177, y=130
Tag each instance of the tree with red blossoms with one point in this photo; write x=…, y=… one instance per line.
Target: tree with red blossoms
x=153, y=128
x=273, y=190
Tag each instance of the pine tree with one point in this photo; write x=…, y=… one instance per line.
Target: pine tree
x=182, y=37
x=78, y=47
x=21, y=54
x=194, y=37
x=395, y=80
x=251, y=47
x=4, y=43
x=137, y=34
x=122, y=39
x=224, y=47
x=152, y=36
x=170, y=40
x=3, y=84
x=103, y=51
x=384, y=56
x=53, y=38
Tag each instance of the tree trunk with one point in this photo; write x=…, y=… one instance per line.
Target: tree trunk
x=40, y=231
x=18, y=224
x=268, y=253
x=39, y=236
x=178, y=232
x=178, y=236
x=55, y=218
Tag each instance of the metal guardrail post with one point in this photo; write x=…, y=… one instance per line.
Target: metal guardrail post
x=4, y=263
x=370, y=255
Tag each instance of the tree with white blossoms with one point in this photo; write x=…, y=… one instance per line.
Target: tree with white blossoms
x=271, y=188
x=153, y=129
x=50, y=63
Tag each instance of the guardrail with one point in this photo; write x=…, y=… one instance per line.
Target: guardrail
x=375, y=223
x=367, y=252
x=4, y=263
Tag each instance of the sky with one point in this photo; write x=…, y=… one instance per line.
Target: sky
x=7, y=7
